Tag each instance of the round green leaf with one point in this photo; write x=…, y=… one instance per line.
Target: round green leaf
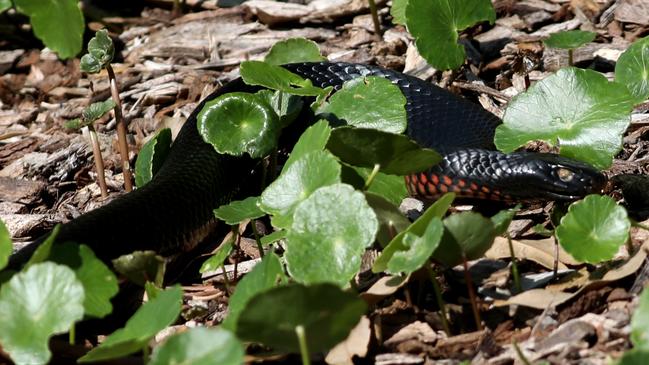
x=312, y=139
x=640, y=323
x=219, y=256
x=417, y=229
x=310, y=172
x=200, y=346
x=151, y=157
x=466, y=234
x=578, y=110
x=268, y=274
x=5, y=245
x=398, y=11
x=418, y=249
x=238, y=123
x=58, y=23
x=141, y=266
x=632, y=69
x=239, y=210
x=594, y=229
x=395, y=153
x=99, y=283
x=435, y=26
x=504, y=218
x=285, y=105
x=100, y=52
x=569, y=39
x=326, y=313
x=368, y=102
x=152, y=317
x=277, y=78
x=335, y=225
x=96, y=110
x=391, y=220
x=4, y=5
x=634, y=357
x=35, y=304
x=390, y=187
x=294, y=50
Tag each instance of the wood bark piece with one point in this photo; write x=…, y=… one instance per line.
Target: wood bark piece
x=633, y=11
x=20, y=190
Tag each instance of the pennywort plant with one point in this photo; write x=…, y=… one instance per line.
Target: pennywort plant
x=100, y=53
x=59, y=24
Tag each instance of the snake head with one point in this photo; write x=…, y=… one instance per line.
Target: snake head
x=562, y=178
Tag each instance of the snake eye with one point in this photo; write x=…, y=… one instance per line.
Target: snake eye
x=565, y=175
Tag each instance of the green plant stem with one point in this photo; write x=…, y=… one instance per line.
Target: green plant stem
x=639, y=225
x=371, y=177
x=472, y=297
x=520, y=354
x=555, y=266
x=375, y=19
x=253, y=224
x=146, y=352
x=99, y=161
x=226, y=281
x=304, y=350
x=72, y=334
x=121, y=129
x=438, y=297
x=515, y=273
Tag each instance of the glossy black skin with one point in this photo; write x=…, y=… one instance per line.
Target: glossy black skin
x=174, y=211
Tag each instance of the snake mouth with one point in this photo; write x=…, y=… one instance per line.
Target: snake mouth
x=566, y=179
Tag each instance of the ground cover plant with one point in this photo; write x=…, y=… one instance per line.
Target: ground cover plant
x=343, y=274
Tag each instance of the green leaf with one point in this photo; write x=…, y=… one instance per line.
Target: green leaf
x=238, y=123
x=268, y=274
x=96, y=110
x=467, y=234
x=398, y=11
x=152, y=317
x=391, y=187
x=335, y=225
x=141, y=266
x=5, y=245
x=199, y=346
x=419, y=249
x=368, y=102
x=285, y=105
x=239, y=210
x=578, y=110
x=294, y=50
x=640, y=323
x=273, y=237
x=310, y=172
x=569, y=39
x=391, y=220
x=35, y=304
x=99, y=283
x=632, y=69
x=76, y=123
x=100, y=52
x=43, y=251
x=326, y=313
x=277, y=78
x=593, y=229
x=435, y=25
x=151, y=157
x=221, y=253
x=417, y=228
x=4, y=5
x=504, y=218
x=58, y=23
x=634, y=357
x=312, y=139
x=395, y=153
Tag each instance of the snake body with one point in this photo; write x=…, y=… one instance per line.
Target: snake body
x=175, y=209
